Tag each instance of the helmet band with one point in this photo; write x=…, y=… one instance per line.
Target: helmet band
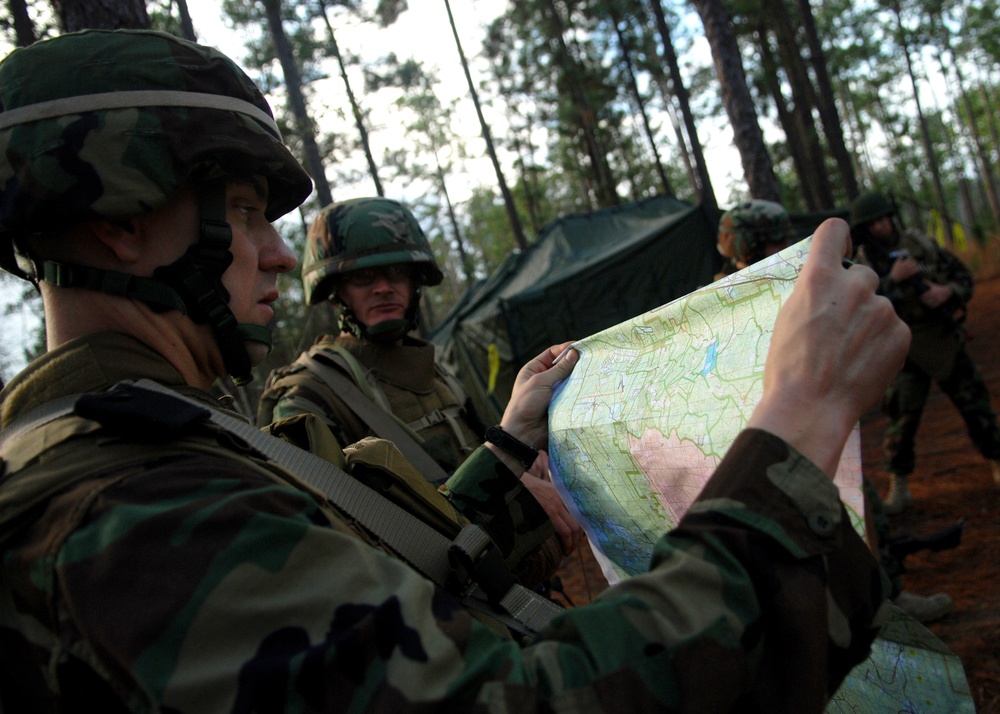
x=67, y=106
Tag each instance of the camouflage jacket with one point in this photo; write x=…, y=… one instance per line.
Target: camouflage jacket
x=936, y=333
x=204, y=580
x=403, y=379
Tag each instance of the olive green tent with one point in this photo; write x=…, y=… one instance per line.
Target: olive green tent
x=584, y=273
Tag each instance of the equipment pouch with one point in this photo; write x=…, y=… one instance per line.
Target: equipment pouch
x=380, y=465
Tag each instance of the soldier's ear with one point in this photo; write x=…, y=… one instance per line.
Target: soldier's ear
x=120, y=237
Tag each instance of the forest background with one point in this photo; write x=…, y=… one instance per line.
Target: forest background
x=528, y=110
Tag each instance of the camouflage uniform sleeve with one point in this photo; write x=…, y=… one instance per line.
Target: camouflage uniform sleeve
x=487, y=493
x=769, y=588
x=195, y=594
x=302, y=392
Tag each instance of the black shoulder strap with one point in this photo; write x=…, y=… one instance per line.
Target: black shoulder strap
x=465, y=566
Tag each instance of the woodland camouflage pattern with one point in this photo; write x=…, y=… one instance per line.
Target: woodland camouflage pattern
x=744, y=228
x=406, y=375
x=406, y=378
x=363, y=233
x=173, y=571
x=121, y=163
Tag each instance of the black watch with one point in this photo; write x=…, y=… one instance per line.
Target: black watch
x=515, y=447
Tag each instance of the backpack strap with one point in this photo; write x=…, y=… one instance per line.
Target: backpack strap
x=468, y=566
x=383, y=423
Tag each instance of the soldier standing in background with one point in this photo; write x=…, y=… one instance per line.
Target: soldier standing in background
x=370, y=259
x=929, y=288
x=751, y=231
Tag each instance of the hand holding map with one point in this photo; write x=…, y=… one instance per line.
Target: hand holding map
x=654, y=404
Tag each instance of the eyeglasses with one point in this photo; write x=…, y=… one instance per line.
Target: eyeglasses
x=363, y=277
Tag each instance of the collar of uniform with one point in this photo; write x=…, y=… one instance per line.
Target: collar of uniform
x=409, y=365
x=87, y=364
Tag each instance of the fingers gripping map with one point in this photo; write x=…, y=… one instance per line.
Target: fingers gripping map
x=648, y=413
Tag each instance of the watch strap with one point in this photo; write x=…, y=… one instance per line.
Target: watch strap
x=515, y=447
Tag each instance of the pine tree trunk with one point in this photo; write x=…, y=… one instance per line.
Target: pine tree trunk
x=604, y=185
x=187, y=26
x=634, y=86
x=804, y=99
x=508, y=199
x=985, y=168
x=789, y=124
x=925, y=134
x=749, y=139
x=24, y=28
x=101, y=14
x=355, y=109
x=706, y=193
x=297, y=102
x=826, y=103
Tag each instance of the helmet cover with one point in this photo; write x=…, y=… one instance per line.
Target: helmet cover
x=870, y=206
x=121, y=121
x=746, y=227
x=363, y=233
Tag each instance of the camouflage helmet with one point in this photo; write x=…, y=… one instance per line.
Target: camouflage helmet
x=870, y=206
x=110, y=125
x=363, y=233
x=121, y=121
x=746, y=227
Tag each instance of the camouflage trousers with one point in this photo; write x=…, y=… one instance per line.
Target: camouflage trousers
x=904, y=404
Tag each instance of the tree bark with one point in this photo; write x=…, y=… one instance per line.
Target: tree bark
x=187, y=26
x=355, y=109
x=789, y=122
x=508, y=199
x=297, y=102
x=634, y=86
x=758, y=169
x=826, y=103
x=604, y=184
x=706, y=193
x=804, y=99
x=24, y=28
x=925, y=134
x=101, y=14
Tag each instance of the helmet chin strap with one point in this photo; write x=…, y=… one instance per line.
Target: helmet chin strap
x=197, y=276
x=383, y=332
x=191, y=284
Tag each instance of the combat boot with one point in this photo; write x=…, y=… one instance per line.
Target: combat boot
x=925, y=608
x=899, y=497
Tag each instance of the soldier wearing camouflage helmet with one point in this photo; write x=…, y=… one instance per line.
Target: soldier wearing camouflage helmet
x=155, y=557
x=751, y=231
x=370, y=258
x=929, y=287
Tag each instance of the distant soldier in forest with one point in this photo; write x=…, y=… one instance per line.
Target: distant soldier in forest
x=370, y=258
x=751, y=231
x=929, y=288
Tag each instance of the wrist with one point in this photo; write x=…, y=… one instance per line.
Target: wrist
x=511, y=447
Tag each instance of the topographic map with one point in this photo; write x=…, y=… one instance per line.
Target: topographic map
x=649, y=411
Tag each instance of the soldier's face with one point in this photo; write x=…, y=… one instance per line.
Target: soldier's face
x=377, y=294
x=881, y=227
x=259, y=254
